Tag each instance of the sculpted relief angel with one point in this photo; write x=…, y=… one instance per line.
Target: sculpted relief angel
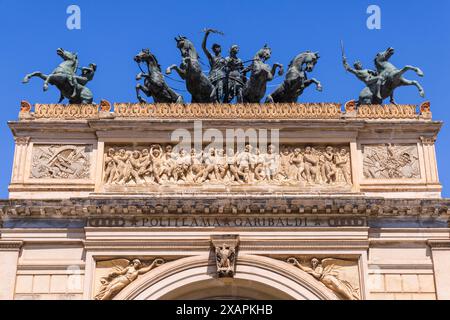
x=326, y=271
x=124, y=272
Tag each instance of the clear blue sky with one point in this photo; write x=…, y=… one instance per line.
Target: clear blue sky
x=112, y=32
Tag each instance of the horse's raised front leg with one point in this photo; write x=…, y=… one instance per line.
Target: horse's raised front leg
x=140, y=87
x=406, y=82
x=269, y=99
x=392, y=100
x=280, y=69
x=180, y=72
x=407, y=68
x=141, y=75
x=316, y=82
x=47, y=81
x=39, y=74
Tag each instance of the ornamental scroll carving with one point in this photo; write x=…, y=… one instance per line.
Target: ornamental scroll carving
x=230, y=111
x=156, y=164
x=61, y=162
x=391, y=111
x=331, y=272
x=391, y=161
x=61, y=111
x=122, y=273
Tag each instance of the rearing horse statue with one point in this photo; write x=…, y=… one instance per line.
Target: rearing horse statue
x=296, y=79
x=261, y=73
x=197, y=83
x=64, y=77
x=393, y=77
x=154, y=83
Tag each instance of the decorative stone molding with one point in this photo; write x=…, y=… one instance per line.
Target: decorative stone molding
x=257, y=111
x=391, y=161
x=350, y=106
x=425, y=110
x=327, y=271
x=439, y=244
x=22, y=141
x=105, y=106
x=225, y=250
x=122, y=273
x=10, y=245
x=387, y=112
x=230, y=111
x=226, y=204
x=428, y=140
x=294, y=165
x=66, y=112
x=25, y=106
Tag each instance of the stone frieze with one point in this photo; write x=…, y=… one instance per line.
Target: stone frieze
x=305, y=165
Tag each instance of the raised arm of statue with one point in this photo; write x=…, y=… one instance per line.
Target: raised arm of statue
x=309, y=270
x=347, y=66
x=205, y=49
x=154, y=264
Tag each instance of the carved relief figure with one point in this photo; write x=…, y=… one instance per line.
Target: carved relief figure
x=225, y=257
x=325, y=271
x=391, y=162
x=60, y=162
x=162, y=165
x=124, y=272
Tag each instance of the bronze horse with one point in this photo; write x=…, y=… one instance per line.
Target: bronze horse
x=154, y=83
x=197, y=83
x=296, y=79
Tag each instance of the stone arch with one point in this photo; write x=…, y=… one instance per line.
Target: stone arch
x=256, y=277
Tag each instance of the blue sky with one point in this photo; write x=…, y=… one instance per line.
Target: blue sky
x=112, y=33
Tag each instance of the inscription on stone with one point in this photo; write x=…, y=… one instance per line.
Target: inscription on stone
x=229, y=222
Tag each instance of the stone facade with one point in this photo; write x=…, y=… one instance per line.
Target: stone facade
x=330, y=204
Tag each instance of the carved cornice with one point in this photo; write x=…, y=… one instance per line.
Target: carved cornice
x=224, y=111
x=10, y=245
x=231, y=204
x=439, y=244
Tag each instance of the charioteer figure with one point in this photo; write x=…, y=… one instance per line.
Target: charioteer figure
x=234, y=75
x=217, y=65
x=370, y=77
